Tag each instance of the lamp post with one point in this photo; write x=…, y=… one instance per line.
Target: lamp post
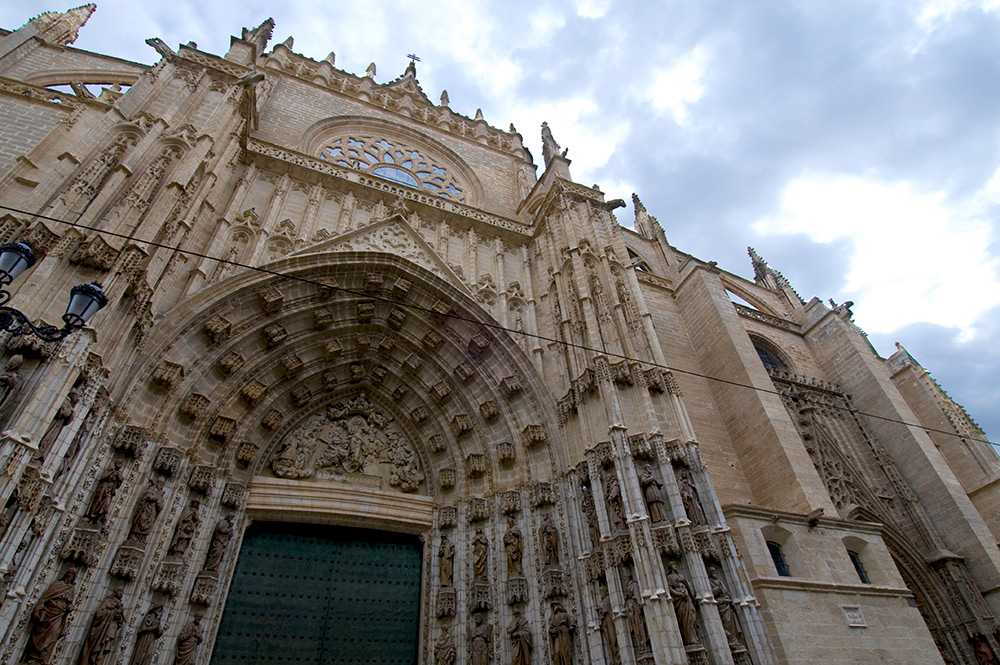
x=85, y=300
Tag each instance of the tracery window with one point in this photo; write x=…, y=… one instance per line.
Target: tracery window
x=769, y=354
x=396, y=161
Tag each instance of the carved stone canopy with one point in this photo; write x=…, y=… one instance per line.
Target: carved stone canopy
x=351, y=440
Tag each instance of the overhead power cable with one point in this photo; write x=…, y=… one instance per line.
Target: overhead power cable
x=484, y=324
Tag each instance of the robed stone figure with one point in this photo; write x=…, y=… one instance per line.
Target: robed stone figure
x=146, y=512
x=217, y=546
x=652, y=491
x=146, y=635
x=550, y=542
x=61, y=419
x=513, y=545
x=104, y=494
x=520, y=640
x=689, y=495
x=10, y=378
x=480, y=556
x=636, y=620
x=727, y=609
x=49, y=617
x=188, y=642
x=444, y=648
x=609, y=631
x=187, y=527
x=104, y=627
x=687, y=615
x=561, y=629
x=446, y=560
x=479, y=642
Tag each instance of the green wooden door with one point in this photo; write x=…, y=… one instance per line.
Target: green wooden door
x=324, y=595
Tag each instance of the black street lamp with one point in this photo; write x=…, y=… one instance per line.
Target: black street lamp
x=85, y=300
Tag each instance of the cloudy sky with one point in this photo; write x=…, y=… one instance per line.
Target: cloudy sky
x=856, y=145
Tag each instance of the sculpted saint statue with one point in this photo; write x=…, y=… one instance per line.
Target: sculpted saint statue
x=689, y=495
x=550, y=542
x=687, y=616
x=616, y=510
x=636, y=620
x=549, y=146
x=513, y=545
x=480, y=556
x=608, y=631
x=727, y=609
x=107, y=485
x=48, y=618
x=561, y=629
x=188, y=641
x=10, y=378
x=217, y=547
x=59, y=421
x=186, y=529
x=652, y=491
x=444, y=648
x=104, y=627
x=148, y=632
x=146, y=512
x=479, y=641
x=446, y=559
x=520, y=640
x=590, y=512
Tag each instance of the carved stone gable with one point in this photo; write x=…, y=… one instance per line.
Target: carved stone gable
x=350, y=440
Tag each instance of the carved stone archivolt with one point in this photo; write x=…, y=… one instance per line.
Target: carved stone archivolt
x=350, y=438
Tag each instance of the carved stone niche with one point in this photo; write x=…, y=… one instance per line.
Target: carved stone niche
x=221, y=429
x=446, y=478
x=442, y=307
x=166, y=375
x=168, y=578
x=167, y=461
x=272, y=420
x=445, y=603
x=464, y=372
x=233, y=494
x=30, y=346
x=447, y=517
x=357, y=371
x=386, y=344
x=553, y=583
x=488, y=409
x=245, y=453
x=252, y=392
x=478, y=346
x=204, y=590
x=201, y=479
x=129, y=439
x=621, y=373
x=94, y=253
x=602, y=454
x=402, y=287
x=378, y=374
x=419, y=414
x=127, y=562
x=441, y=392
x=461, y=424
x=542, y=494
x=322, y=317
x=292, y=363
x=302, y=395
x=505, y=453
x=534, y=435
x=475, y=465
x=510, y=502
x=333, y=348
x=366, y=311
x=271, y=300
x=274, y=335
x=83, y=547
x=412, y=363
x=194, y=405
x=641, y=447
x=432, y=341
x=396, y=318
x=330, y=379
x=479, y=509
x=374, y=281
x=436, y=443
x=217, y=329
x=230, y=363
x=510, y=386
x=654, y=380
x=517, y=590
x=479, y=597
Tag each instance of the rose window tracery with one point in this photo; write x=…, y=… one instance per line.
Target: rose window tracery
x=396, y=161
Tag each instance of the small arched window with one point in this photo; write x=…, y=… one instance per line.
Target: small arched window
x=769, y=354
x=859, y=566
x=778, y=557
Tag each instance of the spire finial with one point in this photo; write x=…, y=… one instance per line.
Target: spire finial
x=759, y=265
x=411, y=69
x=444, y=98
x=370, y=70
x=549, y=146
x=62, y=28
x=479, y=114
x=260, y=35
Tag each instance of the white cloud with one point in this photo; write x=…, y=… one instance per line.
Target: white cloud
x=679, y=85
x=933, y=13
x=915, y=255
x=592, y=8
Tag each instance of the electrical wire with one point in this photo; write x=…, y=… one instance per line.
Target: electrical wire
x=484, y=324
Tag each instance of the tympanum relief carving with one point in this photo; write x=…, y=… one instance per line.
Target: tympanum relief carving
x=350, y=440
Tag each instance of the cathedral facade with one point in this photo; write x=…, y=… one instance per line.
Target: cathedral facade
x=371, y=387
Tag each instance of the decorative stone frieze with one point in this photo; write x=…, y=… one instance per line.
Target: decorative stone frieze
x=445, y=603
x=204, y=590
x=475, y=465
x=245, y=453
x=419, y=414
x=621, y=373
x=201, y=478
x=374, y=281
x=222, y=428
x=412, y=363
x=510, y=502
x=333, y=348
x=542, y=494
x=194, y=405
x=510, y=386
x=478, y=346
x=461, y=424
x=217, y=329
x=168, y=578
x=322, y=318
x=488, y=410
x=640, y=446
x=553, y=584
x=517, y=590
x=377, y=374
x=127, y=562
x=436, y=443
x=83, y=547
x=446, y=478
x=274, y=335
x=479, y=597
x=396, y=318
x=441, y=391
x=479, y=509
x=505, y=453
x=167, y=461
x=252, y=392
x=534, y=435
x=272, y=420
x=301, y=395
x=292, y=363
x=442, y=307
x=130, y=439
x=366, y=311
x=447, y=517
x=166, y=375
x=271, y=300
x=432, y=341
x=464, y=372
x=402, y=287
x=230, y=363
x=233, y=494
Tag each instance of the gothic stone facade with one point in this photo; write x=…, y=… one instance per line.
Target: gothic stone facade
x=629, y=513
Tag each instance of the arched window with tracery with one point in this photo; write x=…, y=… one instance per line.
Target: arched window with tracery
x=769, y=354
x=397, y=161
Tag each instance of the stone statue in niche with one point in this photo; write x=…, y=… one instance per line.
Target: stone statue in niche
x=727, y=608
x=590, y=512
x=687, y=615
x=146, y=635
x=446, y=559
x=104, y=493
x=10, y=378
x=513, y=545
x=480, y=556
x=636, y=620
x=689, y=495
x=104, y=627
x=217, y=546
x=444, y=648
x=480, y=638
x=561, y=629
x=62, y=418
x=350, y=437
x=616, y=509
x=188, y=642
x=521, y=644
x=82, y=437
x=549, y=537
x=146, y=512
x=49, y=618
x=652, y=491
x=187, y=527
x=609, y=632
